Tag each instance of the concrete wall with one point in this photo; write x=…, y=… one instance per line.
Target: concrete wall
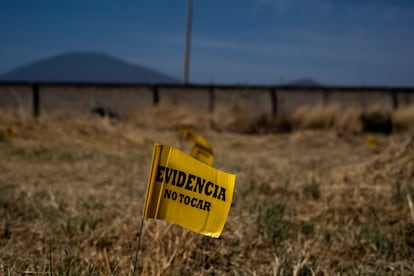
x=363, y=100
x=196, y=100
x=291, y=100
x=75, y=99
x=82, y=99
x=405, y=98
x=18, y=98
x=252, y=101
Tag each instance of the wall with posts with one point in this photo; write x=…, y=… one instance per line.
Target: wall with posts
x=363, y=100
x=290, y=100
x=47, y=98
x=251, y=101
x=195, y=100
x=16, y=98
x=83, y=99
x=404, y=99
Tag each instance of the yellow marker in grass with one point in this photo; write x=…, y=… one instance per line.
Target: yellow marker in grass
x=372, y=142
x=201, y=149
x=10, y=132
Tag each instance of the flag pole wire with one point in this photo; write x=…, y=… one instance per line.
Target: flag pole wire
x=50, y=258
x=137, y=246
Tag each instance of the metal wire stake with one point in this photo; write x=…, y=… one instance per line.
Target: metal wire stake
x=137, y=247
x=50, y=257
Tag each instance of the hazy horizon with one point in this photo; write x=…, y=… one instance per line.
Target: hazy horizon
x=252, y=42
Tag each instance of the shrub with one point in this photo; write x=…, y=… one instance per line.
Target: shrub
x=376, y=122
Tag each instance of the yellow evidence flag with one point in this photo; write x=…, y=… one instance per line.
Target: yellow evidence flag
x=187, y=192
x=201, y=149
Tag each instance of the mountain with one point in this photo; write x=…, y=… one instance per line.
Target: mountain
x=305, y=82
x=85, y=67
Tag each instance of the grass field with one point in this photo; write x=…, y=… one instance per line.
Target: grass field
x=310, y=202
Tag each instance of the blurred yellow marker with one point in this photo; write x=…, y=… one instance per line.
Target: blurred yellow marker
x=372, y=142
x=9, y=132
x=201, y=149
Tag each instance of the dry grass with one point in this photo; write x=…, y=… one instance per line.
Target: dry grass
x=310, y=202
x=161, y=117
x=403, y=118
x=317, y=117
x=377, y=119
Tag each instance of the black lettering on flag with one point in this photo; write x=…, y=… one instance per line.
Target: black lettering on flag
x=168, y=173
x=207, y=191
x=167, y=193
x=160, y=171
x=186, y=200
x=222, y=194
x=170, y=194
x=199, y=185
x=189, y=182
x=190, y=179
x=215, y=190
x=207, y=206
x=200, y=204
x=175, y=174
x=181, y=179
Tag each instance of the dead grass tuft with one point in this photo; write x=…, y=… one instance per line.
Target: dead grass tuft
x=166, y=116
x=348, y=120
x=233, y=119
x=316, y=117
x=403, y=118
x=326, y=117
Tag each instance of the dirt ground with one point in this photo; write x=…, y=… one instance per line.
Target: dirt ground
x=305, y=203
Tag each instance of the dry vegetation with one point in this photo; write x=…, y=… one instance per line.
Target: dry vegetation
x=317, y=201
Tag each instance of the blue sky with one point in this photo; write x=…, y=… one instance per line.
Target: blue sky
x=341, y=42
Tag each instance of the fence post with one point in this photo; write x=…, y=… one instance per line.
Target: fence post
x=36, y=100
x=394, y=99
x=211, y=99
x=407, y=98
x=155, y=95
x=325, y=97
x=274, y=101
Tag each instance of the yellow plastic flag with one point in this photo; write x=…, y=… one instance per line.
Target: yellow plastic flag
x=372, y=142
x=10, y=132
x=201, y=149
x=187, y=192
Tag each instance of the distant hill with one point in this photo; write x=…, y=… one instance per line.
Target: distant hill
x=305, y=82
x=86, y=67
